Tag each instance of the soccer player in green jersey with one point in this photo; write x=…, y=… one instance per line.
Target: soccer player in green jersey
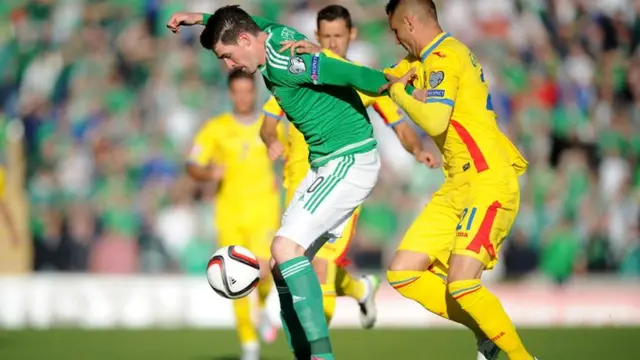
x=316, y=93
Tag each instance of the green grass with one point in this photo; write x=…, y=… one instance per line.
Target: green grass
x=548, y=344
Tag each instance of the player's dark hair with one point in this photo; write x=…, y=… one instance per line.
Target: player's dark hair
x=225, y=25
x=332, y=13
x=237, y=74
x=430, y=6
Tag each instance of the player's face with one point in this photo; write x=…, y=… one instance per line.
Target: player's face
x=402, y=28
x=243, y=95
x=335, y=35
x=240, y=55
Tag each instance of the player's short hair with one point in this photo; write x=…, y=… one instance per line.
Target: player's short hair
x=332, y=13
x=225, y=25
x=237, y=74
x=429, y=6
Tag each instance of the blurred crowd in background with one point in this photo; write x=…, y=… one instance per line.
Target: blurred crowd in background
x=109, y=100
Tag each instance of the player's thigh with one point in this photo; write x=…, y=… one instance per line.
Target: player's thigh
x=433, y=231
x=230, y=234
x=336, y=248
x=332, y=196
x=485, y=224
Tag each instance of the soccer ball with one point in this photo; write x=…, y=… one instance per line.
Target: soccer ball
x=233, y=272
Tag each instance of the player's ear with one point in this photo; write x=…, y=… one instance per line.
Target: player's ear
x=244, y=39
x=408, y=20
x=353, y=33
x=317, y=36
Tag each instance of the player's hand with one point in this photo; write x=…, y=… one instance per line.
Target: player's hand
x=217, y=173
x=426, y=158
x=275, y=150
x=420, y=95
x=300, y=47
x=397, y=80
x=183, y=19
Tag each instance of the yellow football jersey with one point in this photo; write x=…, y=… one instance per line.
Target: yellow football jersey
x=2, y=182
x=297, y=152
x=452, y=76
x=249, y=179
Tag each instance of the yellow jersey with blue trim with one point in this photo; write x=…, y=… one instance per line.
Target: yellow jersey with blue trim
x=458, y=111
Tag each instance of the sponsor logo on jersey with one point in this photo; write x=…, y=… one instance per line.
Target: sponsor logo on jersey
x=315, y=67
x=435, y=93
x=297, y=65
x=436, y=78
x=439, y=54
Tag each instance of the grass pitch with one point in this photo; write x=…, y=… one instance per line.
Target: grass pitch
x=385, y=344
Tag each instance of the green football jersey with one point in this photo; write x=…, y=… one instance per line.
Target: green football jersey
x=332, y=118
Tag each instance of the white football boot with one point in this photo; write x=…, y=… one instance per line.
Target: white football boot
x=368, y=311
x=250, y=351
x=487, y=350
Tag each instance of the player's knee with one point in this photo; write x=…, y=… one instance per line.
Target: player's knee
x=320, y=268
x=405, y=260
x=463, y=267
x=283, y=249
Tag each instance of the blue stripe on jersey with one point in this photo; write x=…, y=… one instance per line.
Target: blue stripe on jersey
x=434, y=46
x=442, y=101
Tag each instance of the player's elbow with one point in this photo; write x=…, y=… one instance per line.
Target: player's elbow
x=195, y=172
x=268, y=130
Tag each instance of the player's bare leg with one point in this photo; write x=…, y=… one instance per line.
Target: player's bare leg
x=409, y=273
x=466, y=289
x=300, y=300
x=266, y=328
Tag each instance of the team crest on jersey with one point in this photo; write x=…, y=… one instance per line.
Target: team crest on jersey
x=297, y=65
x=436, y=78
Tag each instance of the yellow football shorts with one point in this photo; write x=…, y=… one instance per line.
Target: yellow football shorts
x=471, y=218
x=255, y=235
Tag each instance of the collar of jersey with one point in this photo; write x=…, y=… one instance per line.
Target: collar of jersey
x=433, y=45
x=262, y=68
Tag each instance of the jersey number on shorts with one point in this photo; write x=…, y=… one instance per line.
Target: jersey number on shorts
x=469, y=220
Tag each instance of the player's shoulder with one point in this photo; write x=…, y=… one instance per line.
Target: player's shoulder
x=217, y=122
x=276, y=34
x=447, y=49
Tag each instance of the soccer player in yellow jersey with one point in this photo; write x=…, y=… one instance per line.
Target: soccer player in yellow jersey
x=335, y=31
x=457, y=236
x=227, y=149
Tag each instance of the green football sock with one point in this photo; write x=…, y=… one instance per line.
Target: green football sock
x=290, y=323
x=307, y=301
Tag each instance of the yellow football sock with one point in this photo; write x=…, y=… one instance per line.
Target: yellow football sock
x=328, y=300
x=430, y=291
x=244, y=324
x=264, y=289
x=487, y=311
x=348, y=286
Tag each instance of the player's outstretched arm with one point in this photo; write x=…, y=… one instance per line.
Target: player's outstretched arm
x=433, y=114
x=186, y=19
x=338, y=72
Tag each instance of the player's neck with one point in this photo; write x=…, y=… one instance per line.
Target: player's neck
x=246, y=118
x=430, y=34
x=262, y=39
